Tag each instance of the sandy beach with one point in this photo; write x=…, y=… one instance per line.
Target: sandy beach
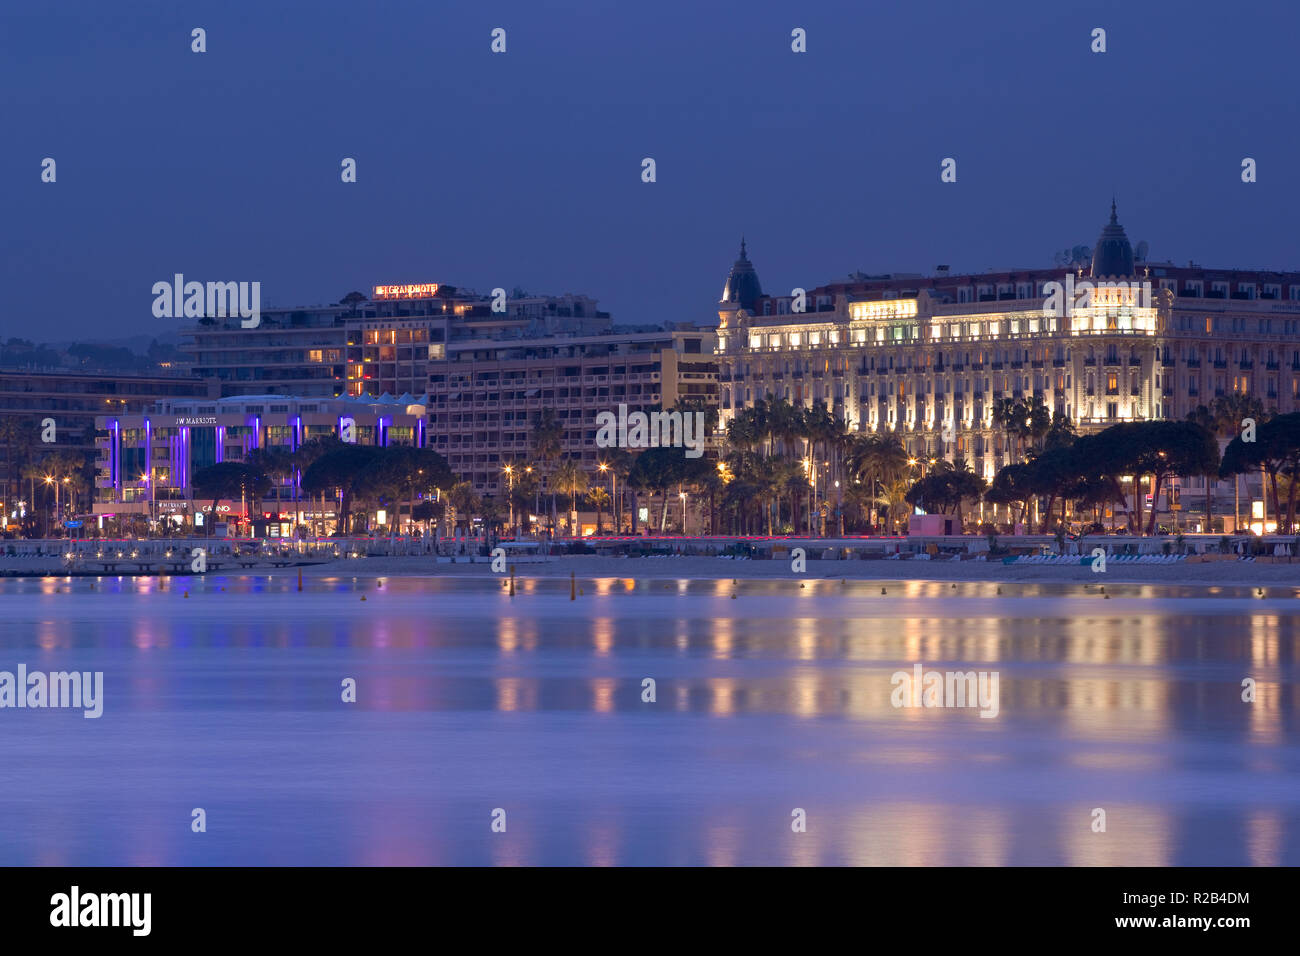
x=1229, y=572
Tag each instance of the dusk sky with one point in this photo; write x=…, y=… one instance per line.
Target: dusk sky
x=524, y=169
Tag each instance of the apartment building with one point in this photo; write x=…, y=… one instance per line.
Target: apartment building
x=484, y=396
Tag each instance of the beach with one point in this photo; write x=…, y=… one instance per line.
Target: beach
x=589, y=567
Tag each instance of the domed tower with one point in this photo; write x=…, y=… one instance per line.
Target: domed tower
x=742, y=289
x=1113, y=254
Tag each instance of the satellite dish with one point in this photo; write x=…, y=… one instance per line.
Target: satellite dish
x=1140, y=253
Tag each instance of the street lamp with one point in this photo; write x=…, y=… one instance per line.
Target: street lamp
x=49, y=480
x=537, y=494
x=613, y=493
x=510, y=494
x=812, y=505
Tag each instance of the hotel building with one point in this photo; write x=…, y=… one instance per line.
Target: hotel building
x=485, y=372
x=913, y=354
x=146, y=462
x=72, y=399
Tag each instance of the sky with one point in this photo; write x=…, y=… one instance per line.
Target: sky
x=524, y=169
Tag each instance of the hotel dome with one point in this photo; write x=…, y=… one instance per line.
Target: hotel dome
x=1113, y=254
x=742, y=287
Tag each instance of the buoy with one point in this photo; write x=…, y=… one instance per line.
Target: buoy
x=379, y=584
x=733, y=597
x=187, y=593
x=999, y=590
x=363, y=597
x=573, y=586
x=802, y=586
x=882, y=591
x=1106, y=596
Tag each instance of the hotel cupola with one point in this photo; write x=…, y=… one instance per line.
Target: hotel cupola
x=741, y=290
x=1112, y=257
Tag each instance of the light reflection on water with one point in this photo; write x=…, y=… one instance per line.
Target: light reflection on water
x=224, y=693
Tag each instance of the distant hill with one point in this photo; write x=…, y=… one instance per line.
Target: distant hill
x=139, y=353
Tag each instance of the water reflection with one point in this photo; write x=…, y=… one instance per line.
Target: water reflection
x=468, y=700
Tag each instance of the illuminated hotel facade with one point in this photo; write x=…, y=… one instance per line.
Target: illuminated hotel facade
x=146, y=461
x=927, y=357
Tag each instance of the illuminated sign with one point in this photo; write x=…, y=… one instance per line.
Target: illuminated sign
x=885, y=309
x=422, y=291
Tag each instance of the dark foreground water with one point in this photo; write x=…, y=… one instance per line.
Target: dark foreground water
x=469, y=701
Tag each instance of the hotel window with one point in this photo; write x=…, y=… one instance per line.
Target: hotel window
x=1023, y=290
x=964, y=293
x=1246, y=290
x=1295, y=293
x=1194, y=288
x=1112, y=383
x=1170, y=284
x=1218, y=290
x=1272, y=292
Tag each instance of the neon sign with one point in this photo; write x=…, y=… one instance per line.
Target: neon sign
x=422, y=291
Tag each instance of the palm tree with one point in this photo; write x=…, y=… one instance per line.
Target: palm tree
x=599, y=498
x=571, y=480
x=1229, y=412
x=894, y=498
x=547, y=440
x=1038, y=421
x=875, y=459
x=618, y=463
